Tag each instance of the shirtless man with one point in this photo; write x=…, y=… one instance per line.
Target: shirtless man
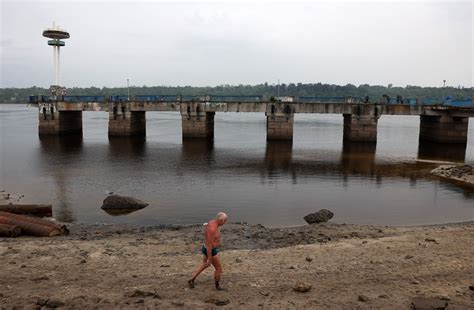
x=210, y=249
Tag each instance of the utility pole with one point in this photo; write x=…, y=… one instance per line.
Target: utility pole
x=278, y=88
x=444, y=89
x=128, y=89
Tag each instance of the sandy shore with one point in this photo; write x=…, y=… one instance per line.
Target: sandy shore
x=348, y=266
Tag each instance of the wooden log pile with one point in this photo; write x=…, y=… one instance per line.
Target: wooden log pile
x=29, y=226
x=9, y=230
x=36, y=210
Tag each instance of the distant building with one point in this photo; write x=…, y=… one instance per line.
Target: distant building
x=285, y=99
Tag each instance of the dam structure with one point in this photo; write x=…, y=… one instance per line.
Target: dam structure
x=440, y=123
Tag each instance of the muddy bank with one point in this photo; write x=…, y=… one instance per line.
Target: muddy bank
x=347, y=266
x=459, y=174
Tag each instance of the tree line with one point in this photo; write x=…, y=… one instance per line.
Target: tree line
x=21, y=95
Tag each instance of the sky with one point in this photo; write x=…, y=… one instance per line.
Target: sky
x=212, y=43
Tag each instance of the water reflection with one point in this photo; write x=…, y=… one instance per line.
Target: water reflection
x=197, y=151
x=54, y=149
x=60, y=145
x=129, y=147
x=355, y=158
x=278, y=159
x=131, y=164
x=119, y=212
x=467, y=192
x=358, y=157
x=278, y=155
x=437, y=151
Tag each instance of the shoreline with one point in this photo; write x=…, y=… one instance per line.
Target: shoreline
x=77, y=228
x=348, y=266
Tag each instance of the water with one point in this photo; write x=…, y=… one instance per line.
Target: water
x=274, y=184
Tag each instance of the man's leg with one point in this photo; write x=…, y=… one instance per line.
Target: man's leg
x=200, y=269
x=216, y=262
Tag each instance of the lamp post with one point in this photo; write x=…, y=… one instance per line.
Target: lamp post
x=278, y=89
x=128, y=89
x=444, y=88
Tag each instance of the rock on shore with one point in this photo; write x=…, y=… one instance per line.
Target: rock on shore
x=321, y=216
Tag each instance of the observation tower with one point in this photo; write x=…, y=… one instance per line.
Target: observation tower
x=57, y=35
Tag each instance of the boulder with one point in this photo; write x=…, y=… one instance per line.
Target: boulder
x=321, y=216
x=54, y=304
x=217, y=301
x=302, y=287
x=116, y=205
x=428, y=303
x=363, y=298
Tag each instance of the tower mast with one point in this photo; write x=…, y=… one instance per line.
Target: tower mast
x=56, y=35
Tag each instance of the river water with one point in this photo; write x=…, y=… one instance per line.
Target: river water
x=274, y=184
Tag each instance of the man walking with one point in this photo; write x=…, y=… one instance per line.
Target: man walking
x=210, y=249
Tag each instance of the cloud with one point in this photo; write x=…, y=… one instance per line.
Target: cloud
x=213, y=43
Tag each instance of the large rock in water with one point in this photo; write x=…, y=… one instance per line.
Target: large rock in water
x=117, y=205
x=321, y=216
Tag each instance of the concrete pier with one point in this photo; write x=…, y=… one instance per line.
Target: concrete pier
x=360, y=128
x=446, y=152
x=280, y=118
x=54, y=122
x=444, y=128
x=280, y=127
x=123, y=122
x=197, y=124
x=439, y=123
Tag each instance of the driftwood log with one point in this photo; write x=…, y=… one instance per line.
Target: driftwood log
x=32, y=229
x=33, y=226
x=9, y=230
x=36, y=210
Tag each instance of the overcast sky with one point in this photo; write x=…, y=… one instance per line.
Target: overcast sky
x=210, y=43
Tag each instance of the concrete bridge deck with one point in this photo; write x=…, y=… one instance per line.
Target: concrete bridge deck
x=296, y=107
x=438, y=123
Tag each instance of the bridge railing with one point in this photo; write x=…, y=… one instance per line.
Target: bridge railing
x=84, y=99
x=409, y=101
x=320, y=99
x=462, y=103
x=155, y=98
x=236, y=98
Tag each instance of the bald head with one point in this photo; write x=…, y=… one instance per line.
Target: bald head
x=221, y=218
